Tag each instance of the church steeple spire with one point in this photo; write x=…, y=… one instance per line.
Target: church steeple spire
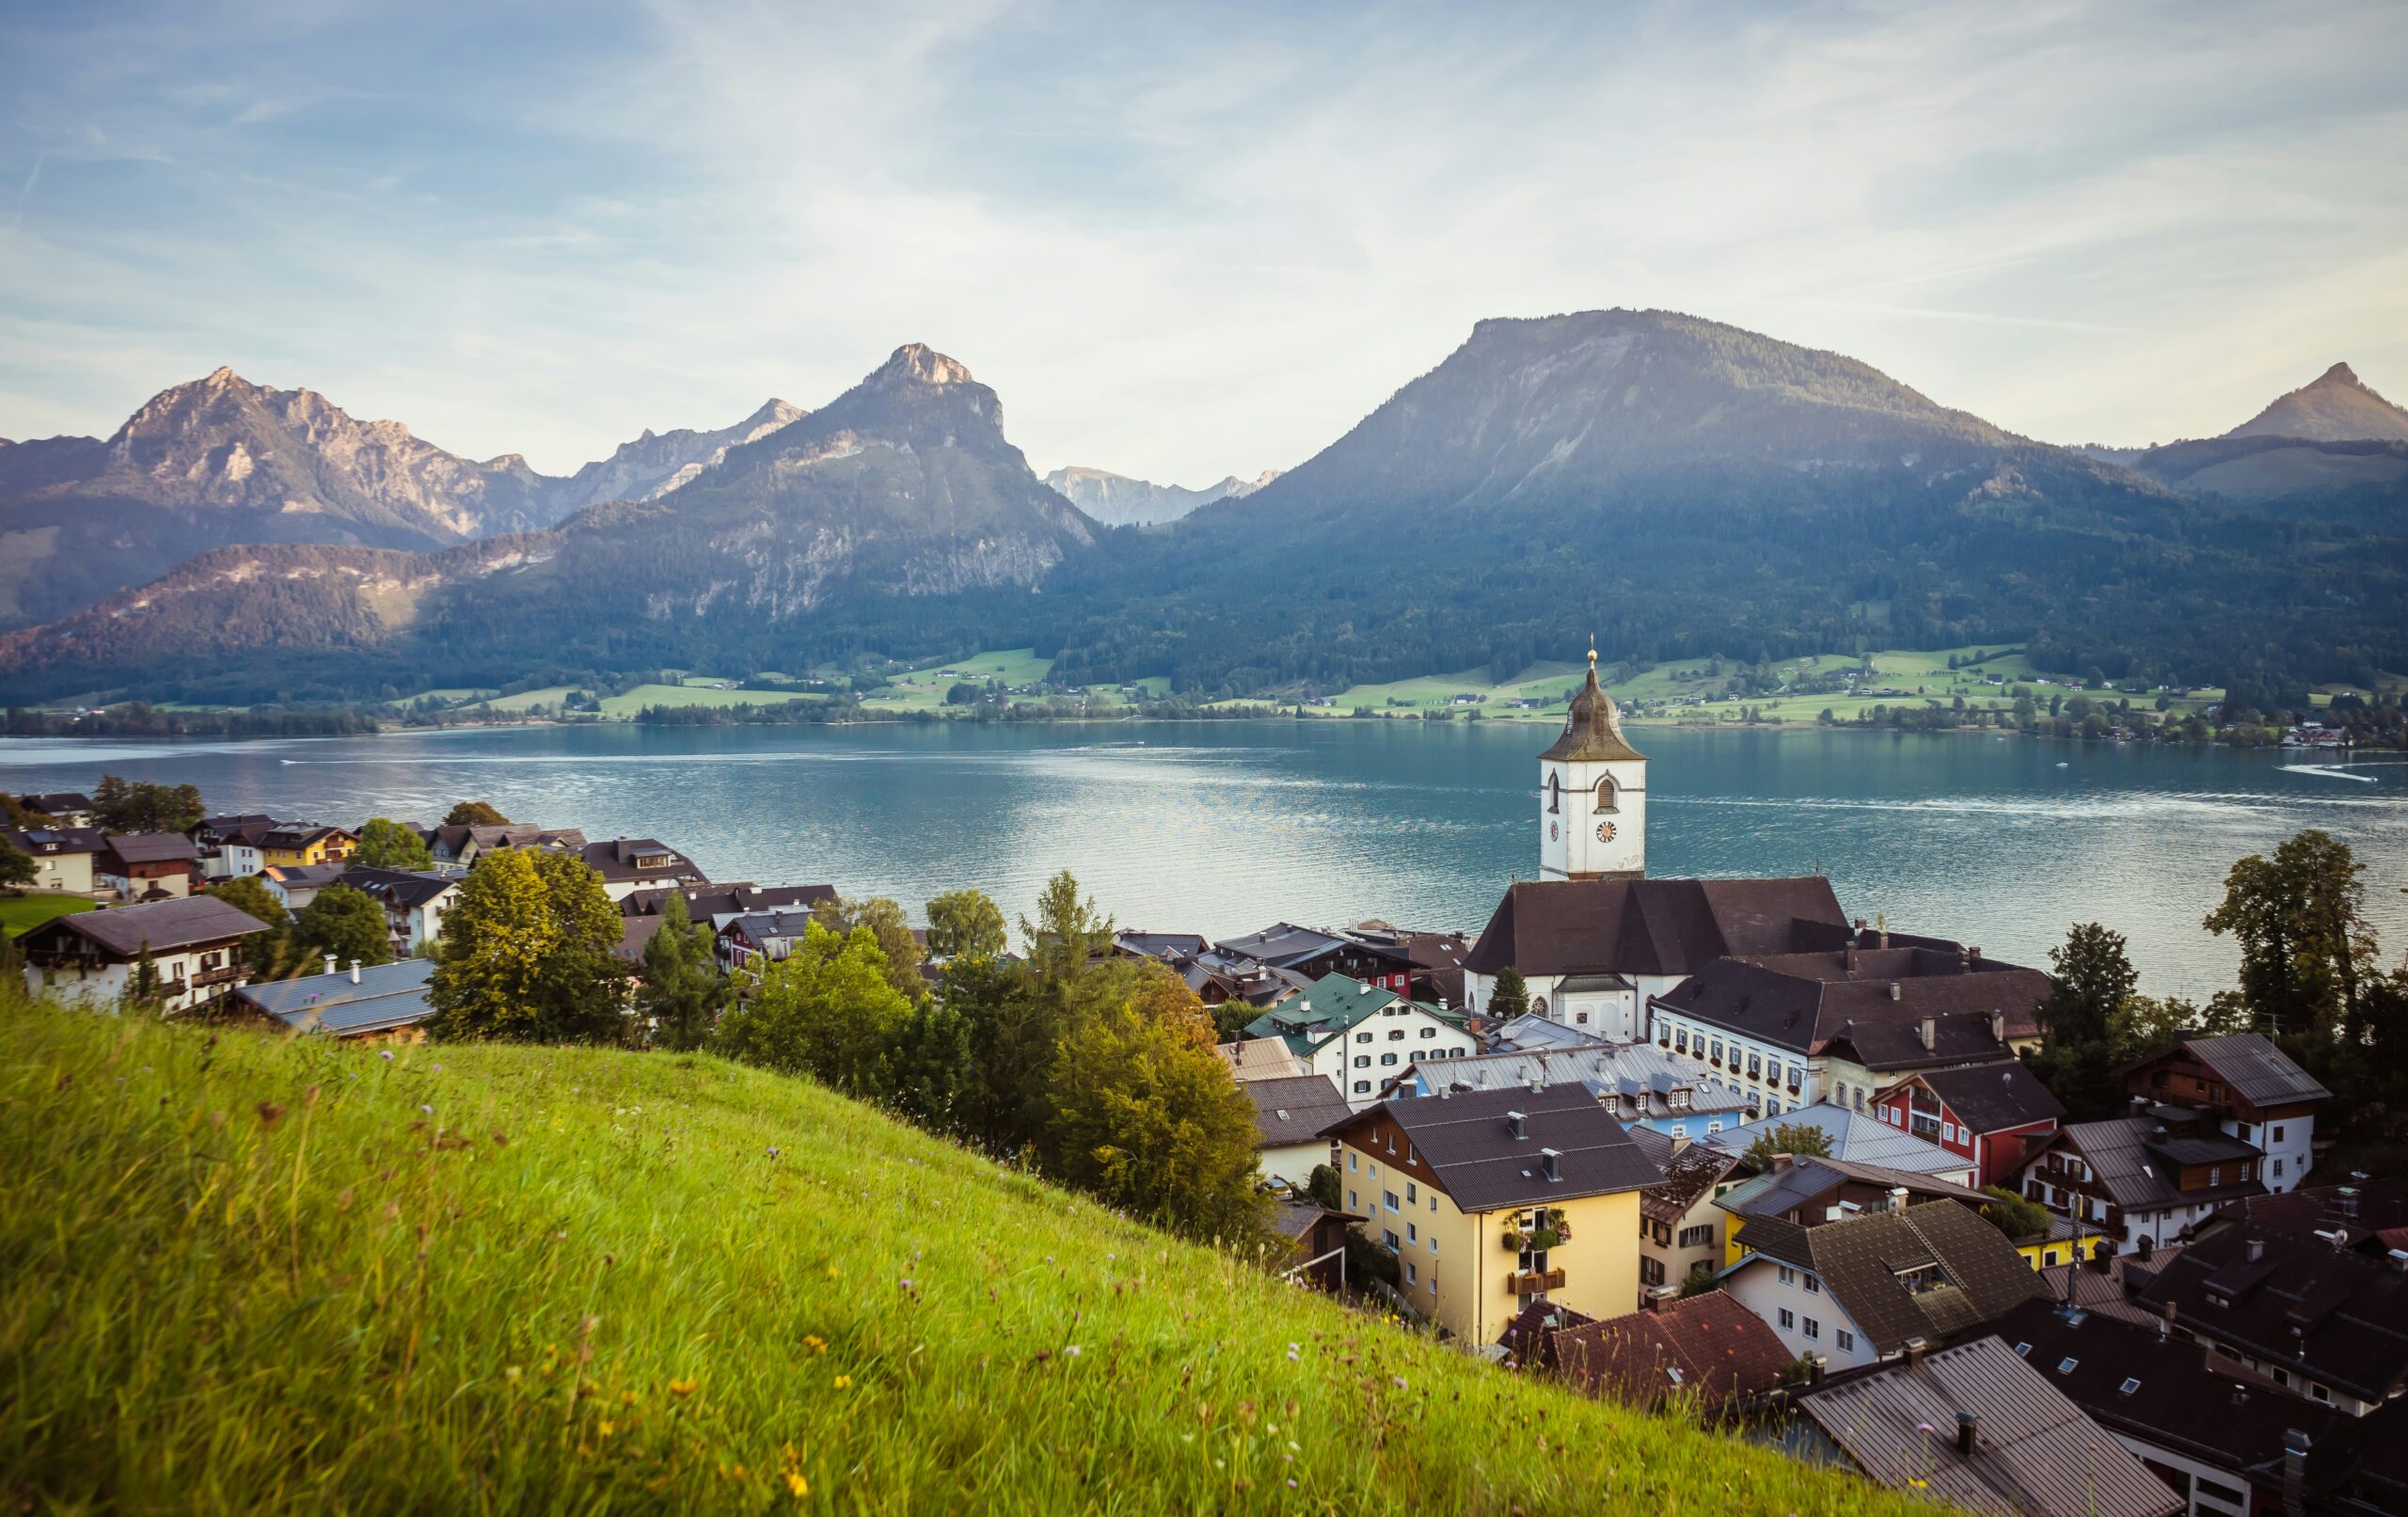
x=1593, y=791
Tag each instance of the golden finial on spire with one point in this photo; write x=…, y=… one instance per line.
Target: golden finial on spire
x=1592, y=653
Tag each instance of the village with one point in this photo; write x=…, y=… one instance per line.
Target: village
x=1711, y=1145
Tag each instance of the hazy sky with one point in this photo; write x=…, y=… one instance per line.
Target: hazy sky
x=1181, y=241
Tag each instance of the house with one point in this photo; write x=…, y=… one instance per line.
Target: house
x=194, y=944
x=1262, y=1058
x=299, y=846
x=146, y=865
x=2219, y=1440
x=63, y=856
x=1984, y=1112
x=230, y=846
x=1171, y=947
x=1289, y=1117
x=1844, y=1024
x=752, y=940
x=1856, y=1138
x=2249, y=1089
x=365, y=1001
x=631, y=865
x=2109, y=1284
x=2370, y=1216
x=296, y=885
x=2065, y=1239
x=65, y=808
x=463, y=844
x=1634, y=1082
x=1594, y=951
x=1708, y=1352
x=703, y=902
x=1681, y=1230
x=1359, y=1035
x=1977, y=1429
x=1315, y=1242
x=1811, y=1192
x=2362, y=1470
x=1318, y=954
x=1868, y=1287
x=2143, y=1179
x=413, y=902
x=1493, y=1200
x=1529, y=1032
x=1528, y=1342
x=2322, y=1323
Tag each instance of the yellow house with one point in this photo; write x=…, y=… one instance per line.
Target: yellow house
x=1493, y=1199
x=289, y=847
x=2044, y=1251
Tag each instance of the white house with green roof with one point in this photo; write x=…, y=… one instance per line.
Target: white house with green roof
x=1361, y=1036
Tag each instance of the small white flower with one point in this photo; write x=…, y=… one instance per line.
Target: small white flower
x=1070, y=1350
x=428, y=1110
x=386, y=1054
x=1400, y=1383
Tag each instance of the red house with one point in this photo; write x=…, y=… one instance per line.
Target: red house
x=1987, y=1113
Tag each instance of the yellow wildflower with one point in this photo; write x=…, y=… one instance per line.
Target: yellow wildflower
x=609, y=1427
x=684, y=1387
x=796, y=1483
x=844, y=1382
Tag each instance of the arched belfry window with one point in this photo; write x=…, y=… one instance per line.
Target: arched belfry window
x=1554, y=794
x=1605, y=794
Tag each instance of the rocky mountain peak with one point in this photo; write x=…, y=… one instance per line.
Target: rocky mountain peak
x=2336, y=406
x=2340, y=373
x=918, y=363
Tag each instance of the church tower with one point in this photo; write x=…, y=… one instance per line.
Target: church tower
x=1592, y=793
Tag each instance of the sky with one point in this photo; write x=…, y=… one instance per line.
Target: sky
x=1181, y=241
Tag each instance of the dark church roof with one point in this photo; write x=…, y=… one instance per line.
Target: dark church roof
x=1875, y=1000
x=1652, y=927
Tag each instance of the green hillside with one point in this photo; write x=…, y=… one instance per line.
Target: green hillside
x=242, y=1273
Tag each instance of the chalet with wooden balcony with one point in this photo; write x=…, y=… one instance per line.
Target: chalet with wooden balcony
x=1494, y=1200
x=193, y=943
x=2248, y=1089
x=1988, y=1114
x=2143, y=1180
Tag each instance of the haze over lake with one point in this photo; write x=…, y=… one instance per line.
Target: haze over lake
x=1222, y=827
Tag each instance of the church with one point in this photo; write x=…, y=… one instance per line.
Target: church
x=1593, y=936
x=1763, y=982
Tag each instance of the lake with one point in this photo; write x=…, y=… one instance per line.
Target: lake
x=1222, y=827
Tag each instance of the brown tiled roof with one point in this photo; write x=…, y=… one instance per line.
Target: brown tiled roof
x=1877, y=1000
x=1860, y=1261
x=1469, y=1144
x=1992, y=1098
x=163, y=925
x=1707, y=1346
x=2292, y=1298
x=152, y=847
x=1293, y=1111
x=1529, y=1340
x=1691, y=1172
x=1652, y=927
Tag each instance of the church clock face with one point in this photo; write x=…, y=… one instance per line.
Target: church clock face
x=1604, y=831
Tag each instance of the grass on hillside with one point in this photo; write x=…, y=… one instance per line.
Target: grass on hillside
x=20, y=913
x=242, y=1273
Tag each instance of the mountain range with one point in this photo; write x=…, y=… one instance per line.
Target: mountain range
x=1676, y=486
x=1117, y=500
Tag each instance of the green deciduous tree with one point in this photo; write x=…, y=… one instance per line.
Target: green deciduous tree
x=885, y=921
x=16, y=866
x=2076, y=1057
x=1325, y=1189
x=474, y=813
x=270, y=954
x=118, y=806
x=1146, y=1117
x=932, y=1072
x=2305, y=948
x=2147, y=1025
x=826, y=1009
x=2012, y=1215
x=966, y=924
x=1512, y=996
x=683, y=991
x=526, y=953
x=385, y=843
x=347, y=923
x=1798, y=1139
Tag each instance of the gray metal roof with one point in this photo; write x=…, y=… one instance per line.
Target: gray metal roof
x=2035, y=1454
x=388, y=996
x=2250, y=1064
x=1638, y=1080
x=1855, y=1137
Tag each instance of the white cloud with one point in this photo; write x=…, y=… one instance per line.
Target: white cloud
x=1200, y=242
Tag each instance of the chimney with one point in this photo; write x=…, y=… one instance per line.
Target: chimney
x=330, y=963
x=2347, y=1196
x=1849, y=959
x=1896, y=993
x=1973, y=954
x=2400, y=1260
x=1929, y=1029
x=1998, y=1028
x=1884, y=938
x=1968, y=1425
x=1914, y=1351
x=1897, y=1199
x=354, y=971
x=1781, y=1162
x=1546, y=1165
x=2165, y=1325
x=2257, y=1250
x=2294, y=1473
x=1814, y=1366
x=1518, y=1124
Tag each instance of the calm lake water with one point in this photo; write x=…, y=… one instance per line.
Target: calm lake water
x=1221, y=828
